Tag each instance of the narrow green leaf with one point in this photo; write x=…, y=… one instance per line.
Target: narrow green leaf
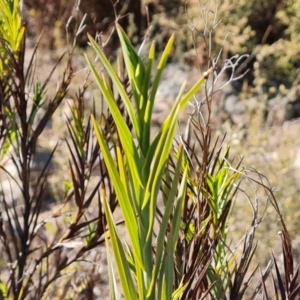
x=127, y=209
x=123, y=130
x=158, y=163
x=121, y=262
x=157, y=147
x=178, y=208
x=3, y=291
x=147, y=113
x=147, y=78
x=139, y=81
x=113, y=288
x=134, y=64
x=164, y=224
x=117, y=83
x=154, y=181
x=122, y=174
x=168, y=263
x=168, y=267
x=189, y=95
x=179, y=291
x=157, y=79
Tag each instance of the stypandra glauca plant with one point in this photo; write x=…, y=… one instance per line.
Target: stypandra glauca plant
x=175, y=198
x=136, y=171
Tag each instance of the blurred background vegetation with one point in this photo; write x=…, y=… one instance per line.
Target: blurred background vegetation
x=267, y=31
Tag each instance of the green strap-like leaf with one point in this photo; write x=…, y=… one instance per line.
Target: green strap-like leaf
x=123, y=130
x=134, y=66
x=164, y=224
x=117, y=83
x=120, y=257
x=127, y=209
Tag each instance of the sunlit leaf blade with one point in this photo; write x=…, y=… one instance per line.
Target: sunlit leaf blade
x=121, y=262
x=134, y=65
x=164, y=224
x=127, y=209
x=124, y=132
x=11, y=29
x=157, y=78
x=113, y=288
x=3, y=291
x=179, y=206
x=172, y=239
x=145, y=107
x=195, y=88
x=161, y=154
x=117, y=83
